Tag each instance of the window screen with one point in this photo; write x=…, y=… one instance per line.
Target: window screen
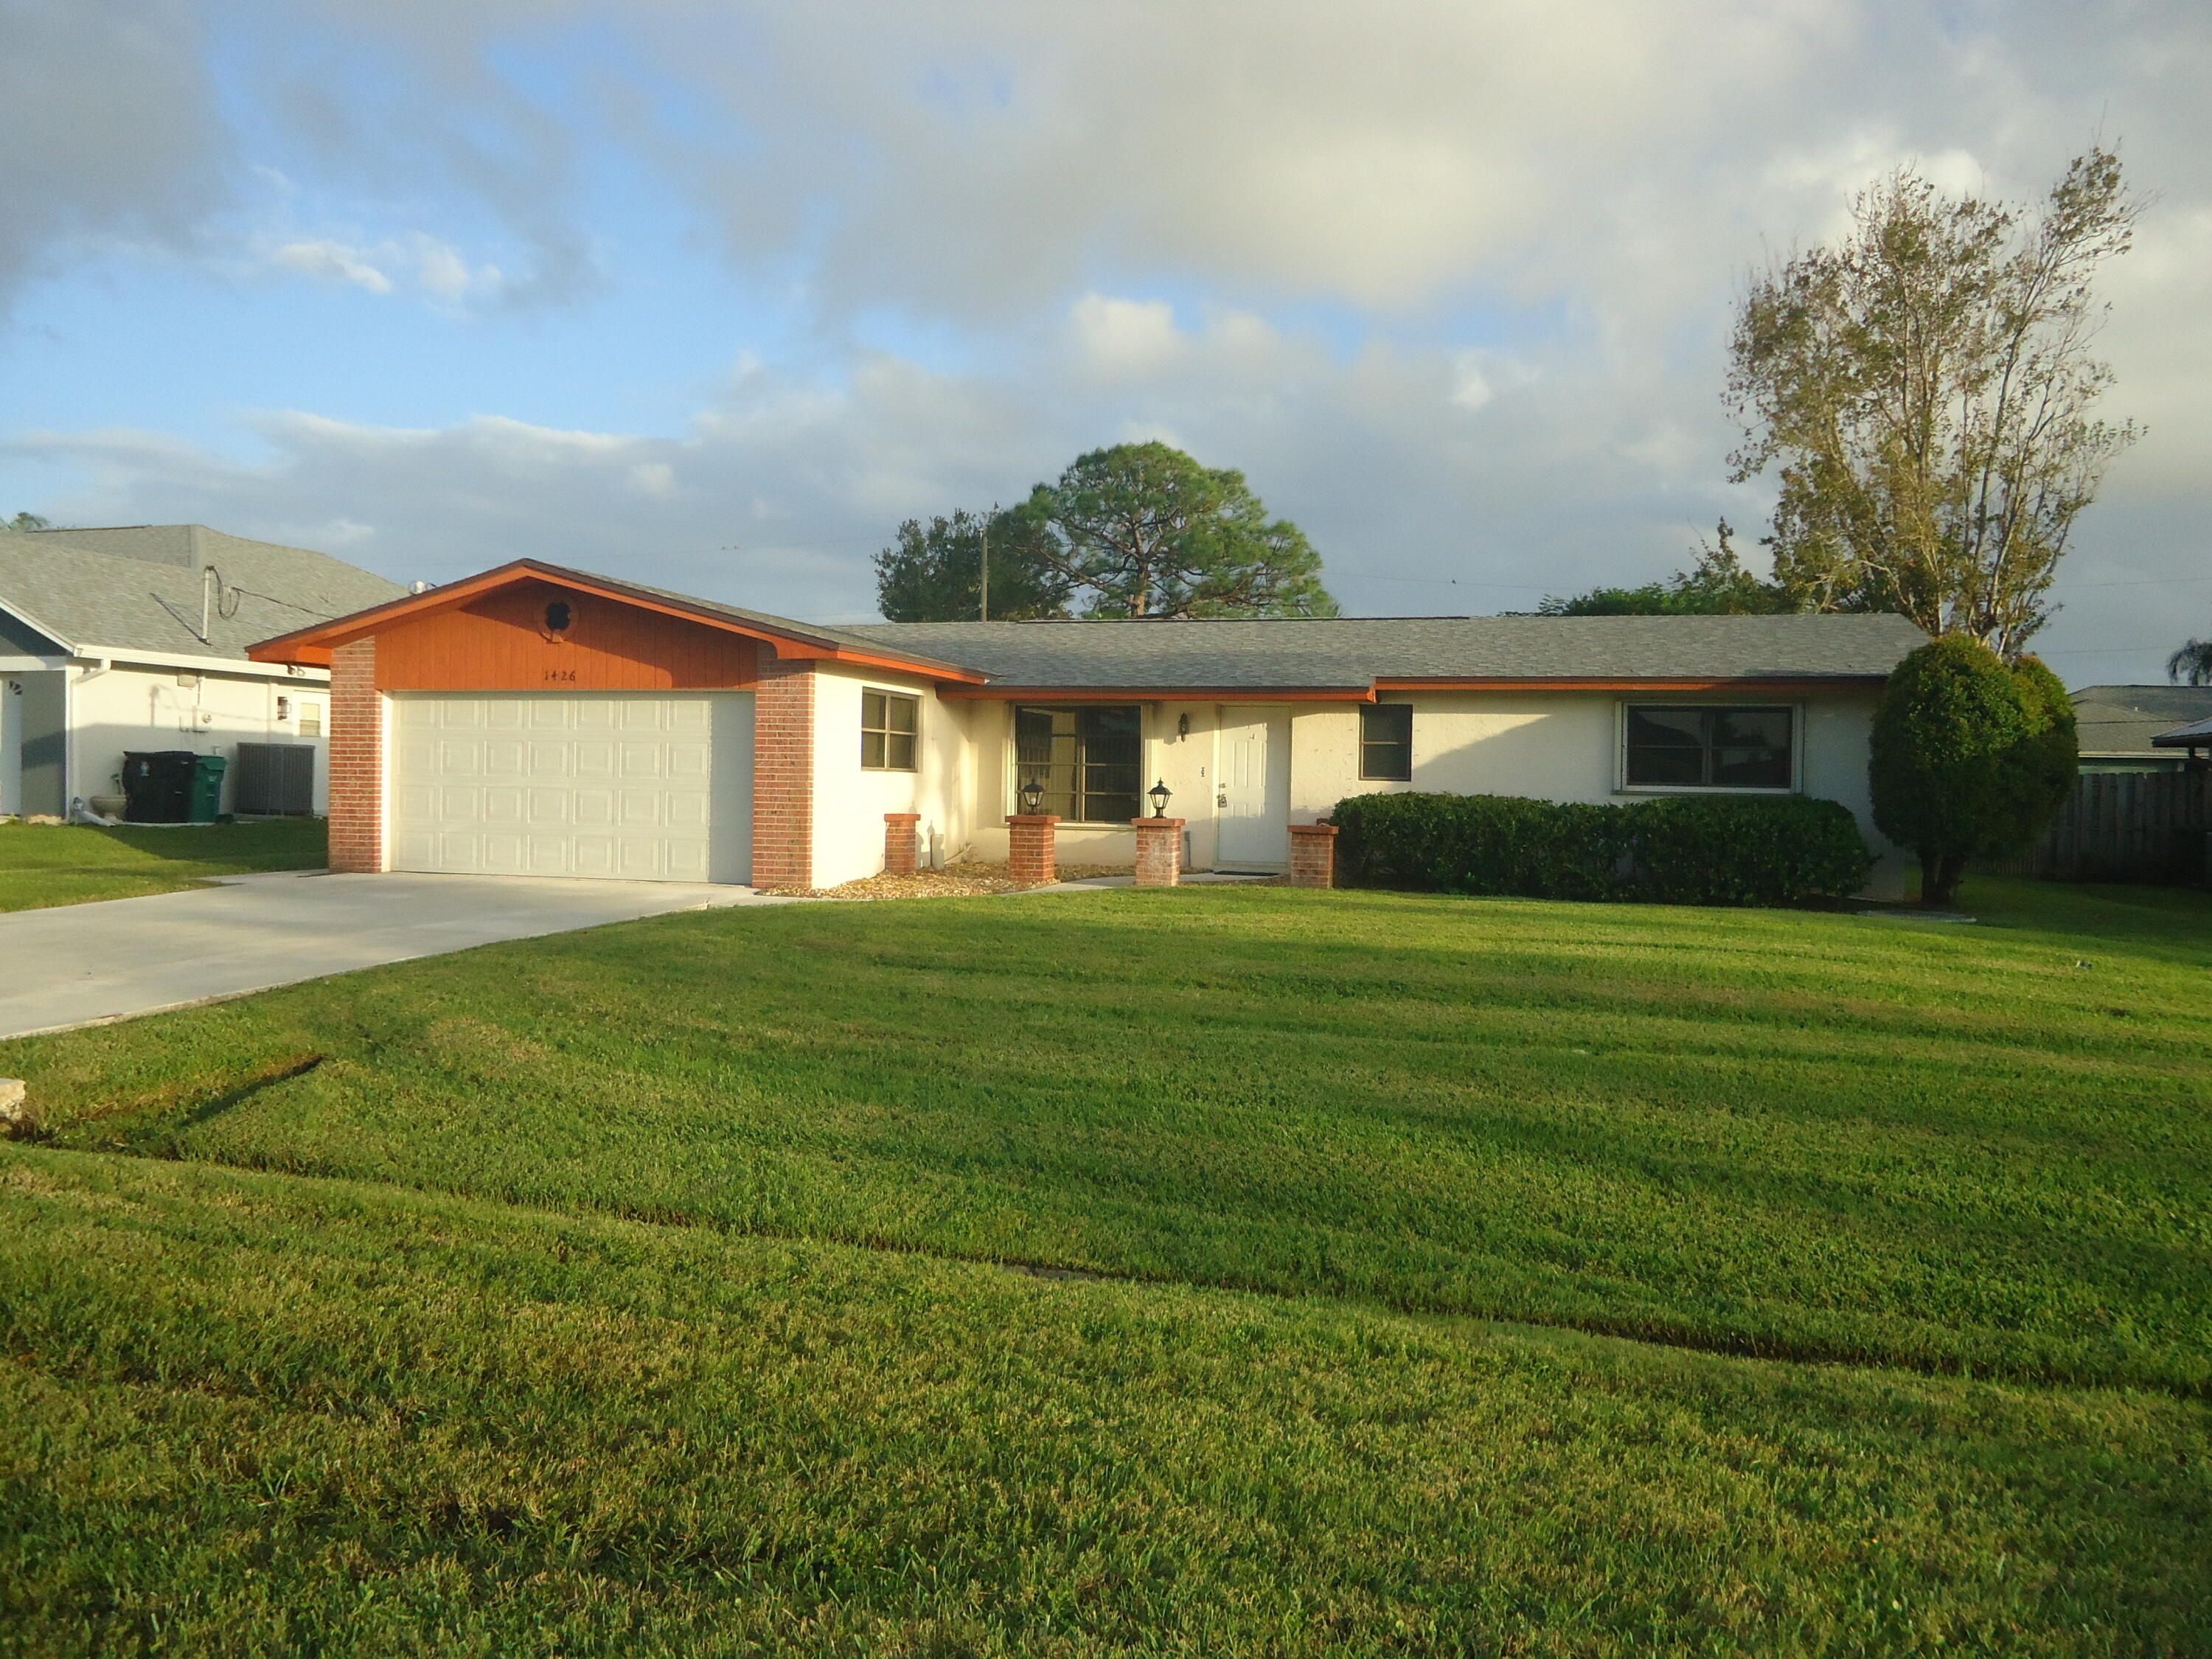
x=1674, y=746
x=1386, y=740
x=888, y=724
x=1088, y=760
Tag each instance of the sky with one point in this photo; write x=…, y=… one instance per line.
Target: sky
x=714, y=294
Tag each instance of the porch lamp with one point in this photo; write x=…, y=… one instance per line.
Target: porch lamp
x=1032, y=794
x=1160, y=794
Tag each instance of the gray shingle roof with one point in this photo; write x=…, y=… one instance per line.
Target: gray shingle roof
x=1355, y=652
x=146, y=597
x=2122, y=720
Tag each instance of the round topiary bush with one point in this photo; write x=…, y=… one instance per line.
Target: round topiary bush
x=1970, y=755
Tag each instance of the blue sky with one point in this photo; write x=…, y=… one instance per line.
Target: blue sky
x=715, y=294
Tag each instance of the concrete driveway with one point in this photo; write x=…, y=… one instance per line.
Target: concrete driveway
x=84, y=964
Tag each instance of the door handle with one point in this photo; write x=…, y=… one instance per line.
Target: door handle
x=1221, y=799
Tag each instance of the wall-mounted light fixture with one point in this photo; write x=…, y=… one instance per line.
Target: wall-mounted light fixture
x=1182, y=725
x=1161, y=795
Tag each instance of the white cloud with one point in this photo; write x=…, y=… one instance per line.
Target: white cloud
x=1126, y=339
x=334, y=260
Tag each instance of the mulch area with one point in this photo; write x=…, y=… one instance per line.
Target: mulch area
x=953, y=881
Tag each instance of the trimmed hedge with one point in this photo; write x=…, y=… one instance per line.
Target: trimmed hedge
x=1679, y=849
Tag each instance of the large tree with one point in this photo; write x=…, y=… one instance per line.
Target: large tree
x=1145, y=531
x=935, y=571
x=1138, y=530
x=1717, y=585
x=25, y=522
x=1925, y=392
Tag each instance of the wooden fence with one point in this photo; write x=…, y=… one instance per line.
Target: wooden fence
x=2126, y=826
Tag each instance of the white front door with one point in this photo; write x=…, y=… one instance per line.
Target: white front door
x=636, y=786
x=1253, y=800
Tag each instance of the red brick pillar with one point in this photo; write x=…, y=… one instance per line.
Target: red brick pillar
x=1313, y=855
x=1029, y=847
x=783, y=774
x=898, y=842
x=356, y=754
x=1159, y=852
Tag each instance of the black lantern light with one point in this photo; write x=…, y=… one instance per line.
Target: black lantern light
x=1160, y=794
x=1032, y=794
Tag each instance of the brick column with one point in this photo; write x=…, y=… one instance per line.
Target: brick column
x=898, y=842
x=1029, y=847
x=1159, y=852
x=356, y=758
x=1313, y=855
x=783, y=774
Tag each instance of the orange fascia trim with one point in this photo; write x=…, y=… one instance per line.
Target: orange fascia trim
x=1155, y=694
x=320, y=639
x=1771, y=685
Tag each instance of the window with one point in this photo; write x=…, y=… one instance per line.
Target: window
x=1386, y=740
x=1090, y=761
x=311, y=720
x=1672, y=746
x=888, y=724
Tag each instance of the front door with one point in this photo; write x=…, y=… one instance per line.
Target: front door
x=1253, y=800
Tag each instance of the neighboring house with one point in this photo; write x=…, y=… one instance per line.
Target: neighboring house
x=120, y=639
x=540, y=720
x=2116, y=724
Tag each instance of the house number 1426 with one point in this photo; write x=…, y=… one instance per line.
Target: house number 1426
x=567, y=674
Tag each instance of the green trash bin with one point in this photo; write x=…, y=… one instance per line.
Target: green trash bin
x=207, y=787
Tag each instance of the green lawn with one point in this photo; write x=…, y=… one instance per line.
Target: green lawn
x=522, y=1300
x=43, y=864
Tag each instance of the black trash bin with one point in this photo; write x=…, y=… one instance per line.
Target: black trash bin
x=157, y=785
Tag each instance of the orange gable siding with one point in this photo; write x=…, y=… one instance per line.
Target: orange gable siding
x=501, y=643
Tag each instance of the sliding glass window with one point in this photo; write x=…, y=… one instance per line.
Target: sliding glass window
x=1088, y=760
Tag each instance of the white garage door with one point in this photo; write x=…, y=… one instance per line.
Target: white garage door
x=637, y=786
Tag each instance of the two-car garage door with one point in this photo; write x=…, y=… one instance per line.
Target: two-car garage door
x=638, y=786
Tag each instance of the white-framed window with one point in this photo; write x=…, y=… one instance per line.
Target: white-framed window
x=1731, y=747
x=890, y=723
x=311, y=718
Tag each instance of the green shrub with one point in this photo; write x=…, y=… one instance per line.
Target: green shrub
x=1970, y=755
x=1677, y=850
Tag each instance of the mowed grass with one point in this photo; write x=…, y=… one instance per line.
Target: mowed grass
x=1813, y=1136
x=252, y=1415
x=44, y=863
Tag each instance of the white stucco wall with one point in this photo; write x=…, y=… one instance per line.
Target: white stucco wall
x=117, y=709
x=850, y=800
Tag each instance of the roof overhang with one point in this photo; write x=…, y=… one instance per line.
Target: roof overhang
x=1761, y=685
x=2198, y=736
x=1160, y=693
x=791, y=642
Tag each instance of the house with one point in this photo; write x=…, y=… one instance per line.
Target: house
x=535, y=719
x=2118, y=723
x=135, y=638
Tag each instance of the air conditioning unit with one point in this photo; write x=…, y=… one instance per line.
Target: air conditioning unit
x=274, y=780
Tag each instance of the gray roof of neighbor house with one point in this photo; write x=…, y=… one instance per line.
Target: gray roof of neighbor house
x=2197, y=736
x=2123, y=720
x=137, y=588
x=1352, y=652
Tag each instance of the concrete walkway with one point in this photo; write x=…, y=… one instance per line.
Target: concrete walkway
x=85, y=964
